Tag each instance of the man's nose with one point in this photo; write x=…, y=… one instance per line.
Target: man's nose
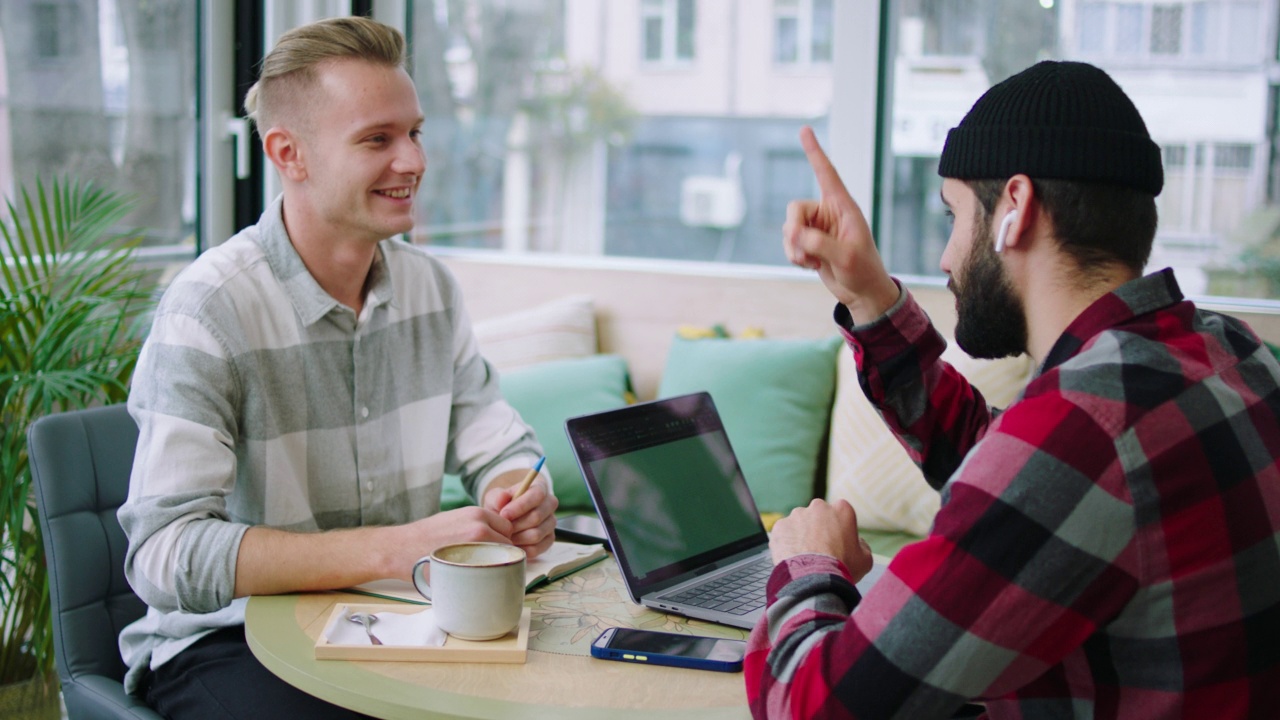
x=411, y=159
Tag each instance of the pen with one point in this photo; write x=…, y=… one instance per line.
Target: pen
x=528, y=479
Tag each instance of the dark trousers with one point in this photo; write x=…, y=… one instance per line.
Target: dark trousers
x=218, y=677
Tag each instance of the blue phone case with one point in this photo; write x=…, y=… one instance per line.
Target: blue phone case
x=600, y=648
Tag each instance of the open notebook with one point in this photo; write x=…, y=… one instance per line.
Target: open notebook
x=562, y=558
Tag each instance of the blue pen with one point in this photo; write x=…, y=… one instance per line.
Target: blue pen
x=528, y=479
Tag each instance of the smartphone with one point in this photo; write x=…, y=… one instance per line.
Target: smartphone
x=662, y=648
x=579, y=528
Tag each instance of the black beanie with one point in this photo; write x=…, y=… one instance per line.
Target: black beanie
x=1055, y=121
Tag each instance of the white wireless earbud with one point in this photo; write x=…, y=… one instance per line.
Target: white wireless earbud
x=1004, y=229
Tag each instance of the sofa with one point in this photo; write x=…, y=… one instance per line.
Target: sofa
x=568, y=341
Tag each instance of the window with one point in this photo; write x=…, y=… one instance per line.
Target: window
x=1176, y=60
x=122, y=115
x=556, y=126
x=1196, y=31
x=56, y=28
x=1243, y=26
x=786, y=31
x=668, y=27
x=1199, y=31
x=802, y=31
x=579, y=145
x=1128, y=29
x=1093, y=27
x=1166, y=29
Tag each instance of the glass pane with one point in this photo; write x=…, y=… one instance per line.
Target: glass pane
x=954, y=30
x=1093, y=29
x=1243, y=38
x=685, y=29
x=1128, y=29
x=1172, y=203
x=104, y=91
x=602, y=150
x=1199, y=33
x=1166, y=29
x=653, y=39
x=1220, y=193
x=822, y=28
x=787, y=43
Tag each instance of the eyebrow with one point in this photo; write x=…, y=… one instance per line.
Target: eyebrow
x=943, y=196
x=387, y=124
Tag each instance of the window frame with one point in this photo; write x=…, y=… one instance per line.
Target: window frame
x=668, y=16
x=802, y=13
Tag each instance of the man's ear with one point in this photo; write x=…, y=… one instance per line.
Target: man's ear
x=284, y=150
x=1019, y=200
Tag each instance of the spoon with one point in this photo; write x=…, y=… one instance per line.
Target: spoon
x=366, y=620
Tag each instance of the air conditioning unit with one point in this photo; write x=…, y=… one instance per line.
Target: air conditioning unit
x=711, y=201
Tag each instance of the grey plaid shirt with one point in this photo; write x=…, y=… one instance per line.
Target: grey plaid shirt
x=261, y=400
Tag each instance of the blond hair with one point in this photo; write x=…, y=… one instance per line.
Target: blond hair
x=290, y=67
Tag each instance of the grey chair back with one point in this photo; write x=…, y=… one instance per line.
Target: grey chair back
x=80, y=462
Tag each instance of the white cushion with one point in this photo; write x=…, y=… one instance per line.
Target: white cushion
x=560, y=329
x=869, y=467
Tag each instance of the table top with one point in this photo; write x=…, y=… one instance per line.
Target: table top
x=559, y=679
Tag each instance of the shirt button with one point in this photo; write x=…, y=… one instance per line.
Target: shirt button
x=364, y=412
x=368, y=486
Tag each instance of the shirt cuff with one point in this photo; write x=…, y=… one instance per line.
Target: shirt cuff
x=845, y=320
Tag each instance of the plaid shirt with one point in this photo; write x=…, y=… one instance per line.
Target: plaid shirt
x=1107, y=547
x=260, y=400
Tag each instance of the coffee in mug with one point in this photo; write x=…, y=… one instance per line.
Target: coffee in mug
x=476, y=588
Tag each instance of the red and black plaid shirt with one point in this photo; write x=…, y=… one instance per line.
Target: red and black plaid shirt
x=1107, y=547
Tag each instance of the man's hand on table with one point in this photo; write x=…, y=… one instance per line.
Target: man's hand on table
x=826, y=529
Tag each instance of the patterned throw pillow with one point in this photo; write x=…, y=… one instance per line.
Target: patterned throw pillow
x=564, y=328
x=868, y=466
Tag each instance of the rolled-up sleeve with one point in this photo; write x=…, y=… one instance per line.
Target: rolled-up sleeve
x=182, y=546
x=487, y=437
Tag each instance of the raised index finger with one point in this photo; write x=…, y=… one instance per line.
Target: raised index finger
x=829, y=181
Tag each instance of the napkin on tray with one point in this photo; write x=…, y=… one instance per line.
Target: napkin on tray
x=415, y=629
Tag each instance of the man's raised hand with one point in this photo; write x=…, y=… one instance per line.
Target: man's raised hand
x=831, y=236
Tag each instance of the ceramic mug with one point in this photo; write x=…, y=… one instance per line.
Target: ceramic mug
x=476, y=588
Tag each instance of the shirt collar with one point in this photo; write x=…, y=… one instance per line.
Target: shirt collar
x=1137, y=297
x=310, y=300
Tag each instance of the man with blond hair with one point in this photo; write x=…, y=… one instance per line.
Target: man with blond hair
x=305, y=386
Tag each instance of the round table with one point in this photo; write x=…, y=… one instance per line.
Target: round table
x=558, y=680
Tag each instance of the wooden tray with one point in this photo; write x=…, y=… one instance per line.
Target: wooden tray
x=510, y=649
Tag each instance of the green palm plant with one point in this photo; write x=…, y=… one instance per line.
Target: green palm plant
x=71, y=297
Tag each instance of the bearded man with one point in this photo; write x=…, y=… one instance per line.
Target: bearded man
x=1107, y=546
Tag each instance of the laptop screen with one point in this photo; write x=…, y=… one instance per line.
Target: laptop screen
x=667, y=484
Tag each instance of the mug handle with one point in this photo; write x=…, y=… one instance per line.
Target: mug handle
x=419, y=579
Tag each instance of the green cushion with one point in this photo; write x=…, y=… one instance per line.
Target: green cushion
x=775, y=399
x=546, y=395
x=1275, y=349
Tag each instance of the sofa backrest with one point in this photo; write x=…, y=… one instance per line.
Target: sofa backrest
x=638, y=309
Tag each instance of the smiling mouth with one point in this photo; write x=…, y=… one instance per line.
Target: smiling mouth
x=399, y=194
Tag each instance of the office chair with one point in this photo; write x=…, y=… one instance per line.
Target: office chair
x=80, y=462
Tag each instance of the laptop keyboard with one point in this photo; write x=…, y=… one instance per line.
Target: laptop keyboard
x=736, y=593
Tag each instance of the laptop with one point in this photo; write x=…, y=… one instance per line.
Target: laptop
x=677, y=510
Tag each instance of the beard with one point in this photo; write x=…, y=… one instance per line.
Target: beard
x=991, y=322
